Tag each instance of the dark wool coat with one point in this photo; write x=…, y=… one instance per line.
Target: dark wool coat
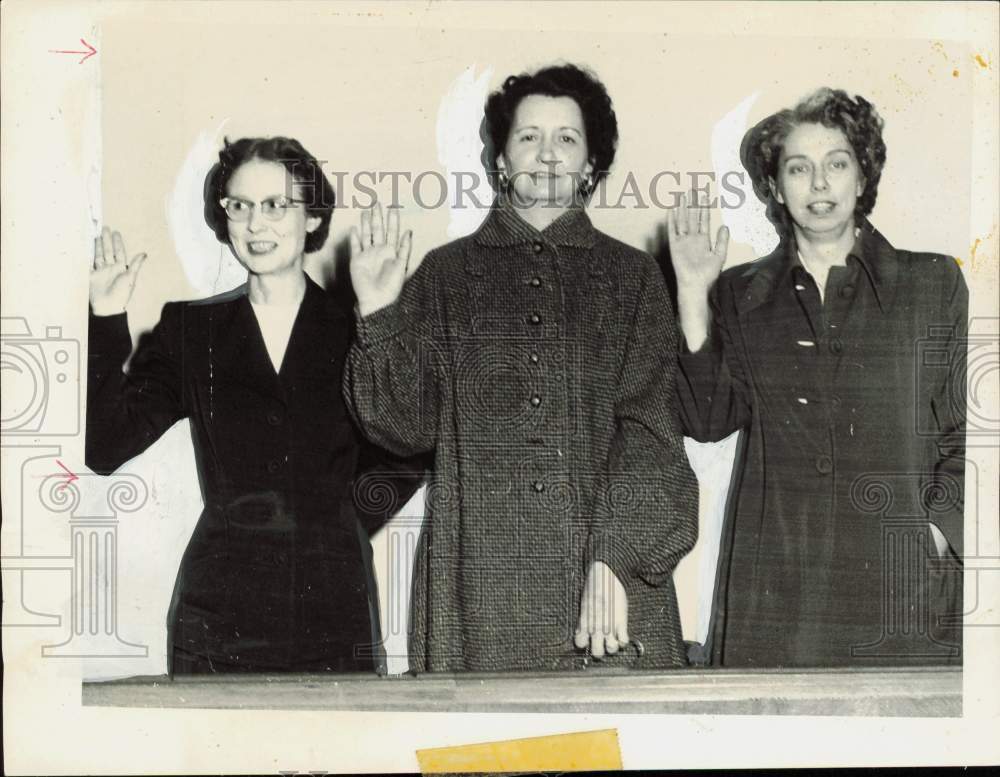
x=538, y=366
x=854, y=415
x=273, y=577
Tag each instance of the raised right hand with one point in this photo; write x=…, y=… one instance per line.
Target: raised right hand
x=696, y=263
x=112, y=276
x=380, y=260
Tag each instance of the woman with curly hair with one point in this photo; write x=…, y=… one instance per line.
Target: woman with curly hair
x=529, y=356
x=845, y=520
x=274, y=576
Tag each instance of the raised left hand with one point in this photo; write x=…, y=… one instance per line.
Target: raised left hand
x=603, y=613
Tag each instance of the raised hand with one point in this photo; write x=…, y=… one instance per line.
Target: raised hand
x=112, y=276
x=380, y=260
x=696, y=263
x=603, y=613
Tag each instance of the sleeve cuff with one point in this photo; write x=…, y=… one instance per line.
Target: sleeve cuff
x=384, y=324
x=618, y=554
x=108, y=329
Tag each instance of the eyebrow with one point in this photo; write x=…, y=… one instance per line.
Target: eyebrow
x=834, y=151
x=535, y=127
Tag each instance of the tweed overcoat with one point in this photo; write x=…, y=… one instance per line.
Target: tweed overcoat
x=538, y=365
x=273, y=576
x=853, y=411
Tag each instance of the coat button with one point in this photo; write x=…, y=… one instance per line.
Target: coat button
x=536, y=400
x=535, y=318
x=824, y=465
x=538, y=246
x=273, y=466
x=847, y=291
x=274, y=418
x=539, y=486
x=536, y=281
x=533, y=358
x=836, y=346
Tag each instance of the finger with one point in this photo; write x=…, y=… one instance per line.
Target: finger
x=671, y=222
x=98, y=253
x=135, y=265
x=704, y=219
x=681, y=220
x=597, y=645
x=118, y=246
x=582, y=635
x=722, y=243
x=693, y=212
x=378, y=226
x=406, y=251
x=611, y=644
x=107, y=247
x=355, y=241
x=366, y=227
x=392, y=232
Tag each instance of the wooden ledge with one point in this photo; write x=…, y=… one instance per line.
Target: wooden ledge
x=910, y=692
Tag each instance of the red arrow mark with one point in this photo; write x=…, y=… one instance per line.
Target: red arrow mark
x=72, y=476
x=88, y=53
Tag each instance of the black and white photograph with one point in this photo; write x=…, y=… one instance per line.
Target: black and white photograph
x=492, y=387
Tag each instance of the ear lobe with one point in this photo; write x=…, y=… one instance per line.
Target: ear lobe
x=312, y=223
x=774, y=191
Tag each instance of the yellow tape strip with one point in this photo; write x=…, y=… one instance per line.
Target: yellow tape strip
x=564, y=752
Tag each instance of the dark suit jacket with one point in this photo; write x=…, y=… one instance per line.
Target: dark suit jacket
x=273, y=577
x=854, y=419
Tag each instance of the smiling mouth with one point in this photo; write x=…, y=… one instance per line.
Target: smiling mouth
x=821, y=208
x=258, y=247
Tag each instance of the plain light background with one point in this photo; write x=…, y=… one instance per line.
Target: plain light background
x=119, y=139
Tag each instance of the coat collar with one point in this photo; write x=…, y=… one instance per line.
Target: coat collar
x=319, y=333
x=873, y=252
x=504, y=228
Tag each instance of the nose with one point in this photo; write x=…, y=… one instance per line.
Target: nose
x=256, y=221
x=547, y=152
x=819, y=182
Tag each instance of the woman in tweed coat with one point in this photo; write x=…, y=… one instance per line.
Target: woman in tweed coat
x=534, y=357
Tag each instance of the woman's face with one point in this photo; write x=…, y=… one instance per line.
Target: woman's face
x=546, y=155
x=819, y=180
x=267, y=245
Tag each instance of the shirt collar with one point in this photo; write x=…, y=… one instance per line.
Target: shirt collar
x=503, y=227
x=871, y=250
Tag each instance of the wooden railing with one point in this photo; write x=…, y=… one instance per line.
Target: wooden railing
x=922, y=692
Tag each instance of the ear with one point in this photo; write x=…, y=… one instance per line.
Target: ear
x=501, y=163
x=588, y=169
x=312, y=223
x=774, y=191
x=862, y=183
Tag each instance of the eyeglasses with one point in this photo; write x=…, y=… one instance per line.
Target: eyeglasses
x=272, y=208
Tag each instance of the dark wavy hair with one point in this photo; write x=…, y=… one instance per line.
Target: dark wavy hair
x=599, y=120
x=857, y=118
x=302, y=166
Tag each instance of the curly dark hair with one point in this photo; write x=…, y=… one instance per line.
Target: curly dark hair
x=302, y=166
x=857, y=118
x=599, y=120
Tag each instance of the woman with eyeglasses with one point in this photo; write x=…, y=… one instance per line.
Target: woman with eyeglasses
x=274, y=577
x=533, y=358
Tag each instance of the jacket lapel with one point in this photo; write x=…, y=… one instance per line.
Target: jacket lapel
x=319, y=340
